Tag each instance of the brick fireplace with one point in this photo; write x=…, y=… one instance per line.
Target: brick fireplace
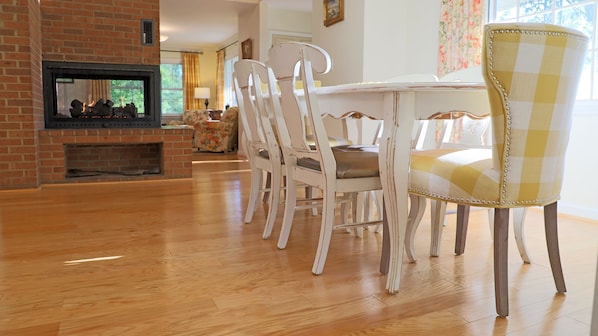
x=91, y=31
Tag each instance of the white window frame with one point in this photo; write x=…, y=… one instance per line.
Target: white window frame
x=171, y=57
x=587, y=96
x=229, y=94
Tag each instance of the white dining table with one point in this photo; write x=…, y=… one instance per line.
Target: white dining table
x=399, y=105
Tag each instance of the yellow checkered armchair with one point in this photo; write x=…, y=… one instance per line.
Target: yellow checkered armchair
x=531, y=71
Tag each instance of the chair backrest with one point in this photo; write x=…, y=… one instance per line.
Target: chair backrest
x=532, y=72
x=230, y=115
x=471, y=74
x=192, y=117
x=290, y=62
x=248, y=80
x=466, y=130
x=413, y=77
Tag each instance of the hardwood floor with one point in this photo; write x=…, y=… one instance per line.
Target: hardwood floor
x=174, y=258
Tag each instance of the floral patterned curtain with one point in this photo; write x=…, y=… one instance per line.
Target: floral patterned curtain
x=460, y=43
x=191, y=81
x=220, y=79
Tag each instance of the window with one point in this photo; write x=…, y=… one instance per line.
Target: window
x=172, y=88
x=128, y=91
x=229, y=93
x=577, y=14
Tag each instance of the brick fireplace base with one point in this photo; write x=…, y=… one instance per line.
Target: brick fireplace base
x=171, y=147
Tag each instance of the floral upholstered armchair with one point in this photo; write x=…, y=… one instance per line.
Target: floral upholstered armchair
x=212, y=135
x=193, y=118
x=217, y=135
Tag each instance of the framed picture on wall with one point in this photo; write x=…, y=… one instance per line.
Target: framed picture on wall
x=246, y=51
x=334, y=11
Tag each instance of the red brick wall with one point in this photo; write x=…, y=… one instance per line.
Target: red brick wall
x=21, y=105
x=99, y=31
x=84, y=31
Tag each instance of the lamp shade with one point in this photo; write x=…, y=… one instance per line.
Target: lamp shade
x=202, y=93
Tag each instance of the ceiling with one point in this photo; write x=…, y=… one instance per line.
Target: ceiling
x=197, y=24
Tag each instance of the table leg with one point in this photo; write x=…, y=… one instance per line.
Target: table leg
x=395, y=150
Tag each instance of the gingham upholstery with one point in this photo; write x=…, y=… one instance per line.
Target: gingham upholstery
x=531, y=71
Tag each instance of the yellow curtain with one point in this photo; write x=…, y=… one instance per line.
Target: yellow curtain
x=191, y=81
x=460, y=43
x=99, y=88
x=220, y=80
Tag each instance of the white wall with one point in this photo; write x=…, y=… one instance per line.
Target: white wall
x=384, y=54
x=580, y=185
x=293, y=22
x=344, y=41
x=379, y=39
x=249, y=27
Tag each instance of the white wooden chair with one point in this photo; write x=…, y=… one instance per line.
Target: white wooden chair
x=263, y=148
x=263, y=152
x=343, y=169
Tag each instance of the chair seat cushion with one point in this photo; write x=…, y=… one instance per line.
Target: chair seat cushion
x=352, y=161
x=263, y=153
x=464, y=176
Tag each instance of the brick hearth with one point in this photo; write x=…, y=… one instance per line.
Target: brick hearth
x=115, y=150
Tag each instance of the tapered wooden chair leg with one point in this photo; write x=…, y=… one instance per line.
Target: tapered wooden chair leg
x=462, y=222
x=501, y=246
x=552, y=242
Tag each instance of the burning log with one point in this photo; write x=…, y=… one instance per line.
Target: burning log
x=76, y=108
x=102, y=108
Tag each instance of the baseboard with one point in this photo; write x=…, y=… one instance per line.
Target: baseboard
x=578, y=211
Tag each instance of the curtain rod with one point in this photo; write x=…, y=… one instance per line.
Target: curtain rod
x=228, y=45
x=183, y=51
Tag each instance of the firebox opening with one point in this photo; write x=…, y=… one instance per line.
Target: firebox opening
x=105, y=160
x=94, y=95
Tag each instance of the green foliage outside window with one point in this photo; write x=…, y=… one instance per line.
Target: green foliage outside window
x=131, y=91
x=128, y=91
x=577, y=14
x=172, y=88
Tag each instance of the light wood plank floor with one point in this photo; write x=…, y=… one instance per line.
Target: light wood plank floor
x=174, y=258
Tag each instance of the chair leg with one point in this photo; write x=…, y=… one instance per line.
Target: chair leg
x=274, y=200
x=462, y=223
x=518, y=218
x=552, y=242
x=256, y=184
x=377, y=197
x=416, y=212
x=438, y=211
x=309, y=193
x=357, y=218
x=501, y=246
x=289, y=211
x=325, y=231
x=350, y=201
x=268, y=186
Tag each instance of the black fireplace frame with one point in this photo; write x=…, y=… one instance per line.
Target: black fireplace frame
x=150, y=74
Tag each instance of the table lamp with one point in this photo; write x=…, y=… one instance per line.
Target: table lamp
x=203, y=93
